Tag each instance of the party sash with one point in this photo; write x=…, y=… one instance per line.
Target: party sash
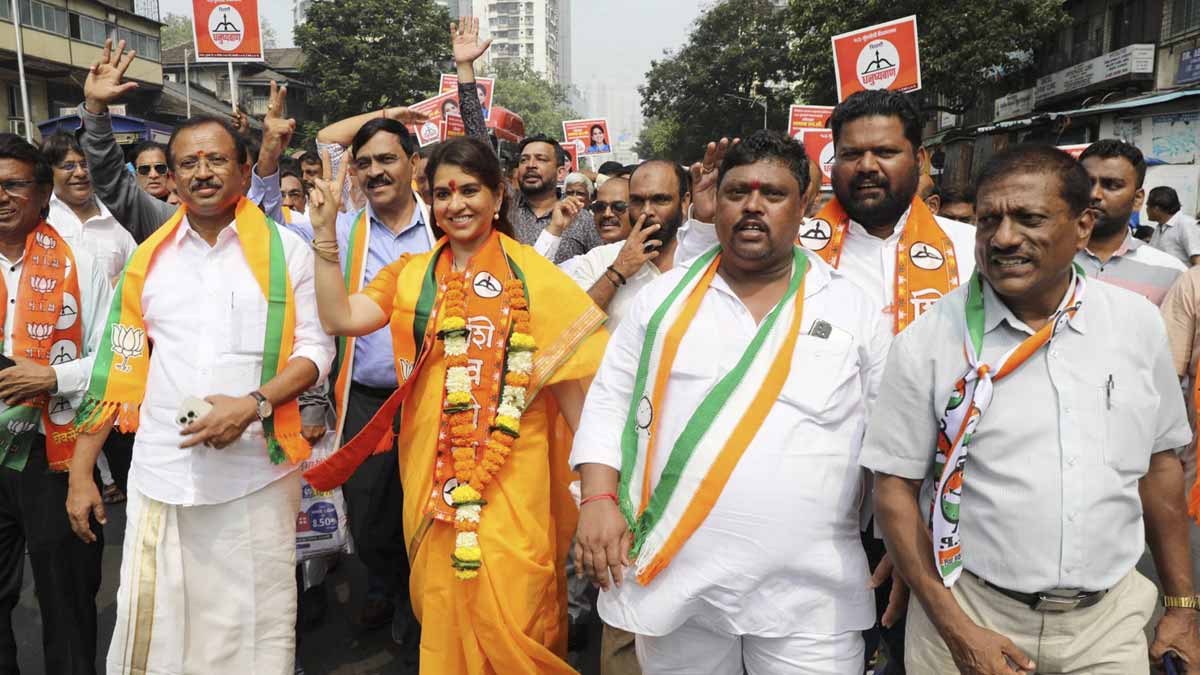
x=48, y=330
x=925, y=258
x=717, y=432
x=969, y=402
x=119, y=385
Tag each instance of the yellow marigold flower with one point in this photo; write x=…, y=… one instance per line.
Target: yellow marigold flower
x=466, y=575
x=522, y=341
x=465, y=493
x=458, y=398
x=509, y=423
x=469, y=554
x=453, y=323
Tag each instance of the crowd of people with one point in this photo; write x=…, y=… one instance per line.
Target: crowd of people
x=713, y=407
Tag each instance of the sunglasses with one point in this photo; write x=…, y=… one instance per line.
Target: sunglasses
x=144, y=169
x=600, y=207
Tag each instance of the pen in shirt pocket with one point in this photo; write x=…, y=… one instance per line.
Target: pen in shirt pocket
x=1108, y=390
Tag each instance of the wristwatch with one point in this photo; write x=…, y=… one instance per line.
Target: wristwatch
x=1183, y=601
x=264, y=408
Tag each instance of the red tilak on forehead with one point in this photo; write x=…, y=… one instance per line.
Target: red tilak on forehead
x=453, y=186
x=755, y=185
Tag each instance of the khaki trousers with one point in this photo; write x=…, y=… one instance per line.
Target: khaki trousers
x=618, y=655
x=1104, y=639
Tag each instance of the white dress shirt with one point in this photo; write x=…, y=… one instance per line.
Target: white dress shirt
x=206, y=316
x=1050, y=499
x=109, y=243
x=780, y=552
x=1179, y=236
x=589, y=268
x=73, y=376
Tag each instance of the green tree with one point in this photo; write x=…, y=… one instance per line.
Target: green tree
x=965, y=46
x=657, y=137
x=361, y=55
x=542, y=104
x=178, y=31
x=738, y=48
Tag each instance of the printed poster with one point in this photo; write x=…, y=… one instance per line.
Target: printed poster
x=801, y=117
x=438, y=109
x=883, y=56
x=484, y=87
x=226, y=30
x=591, y=136
x=818, y=145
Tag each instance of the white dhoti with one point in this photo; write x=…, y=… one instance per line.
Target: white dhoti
x=208, y=589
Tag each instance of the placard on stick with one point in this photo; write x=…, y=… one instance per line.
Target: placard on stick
x=883, y=56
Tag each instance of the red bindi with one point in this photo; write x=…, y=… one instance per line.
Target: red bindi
x=453, y=186
x=755, y=185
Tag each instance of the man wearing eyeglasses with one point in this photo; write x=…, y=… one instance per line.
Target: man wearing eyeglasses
x=295, y=197
x=657, y=199
x=150, y=165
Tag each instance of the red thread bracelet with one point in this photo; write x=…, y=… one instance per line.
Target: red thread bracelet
x=596, y=498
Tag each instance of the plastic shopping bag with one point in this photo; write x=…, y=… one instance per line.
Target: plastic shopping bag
x=321, y=527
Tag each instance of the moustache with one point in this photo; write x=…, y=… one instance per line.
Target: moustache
x=201, y=183
x=610, y=221
x=378, y=181
x=873, y=181
x=751, y=223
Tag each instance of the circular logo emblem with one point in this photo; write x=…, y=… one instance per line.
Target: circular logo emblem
x=878, y=64
x=447, y=488
x=952, y=495
x=69, y=313
x=226, y=27
x=826, y=160
x=925, y=256
x=816, y=234
x=429, y=132
x=63, y=351
x=486, y=285
x=60, y=410
x=645, y=413
x=323, y=517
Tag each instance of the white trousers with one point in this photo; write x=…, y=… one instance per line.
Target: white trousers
x=694, y=649
x=208, y=590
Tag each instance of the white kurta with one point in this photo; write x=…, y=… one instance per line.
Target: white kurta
x=779, y=554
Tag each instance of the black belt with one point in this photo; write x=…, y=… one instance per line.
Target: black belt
x=381, y=393
x=1051, y=601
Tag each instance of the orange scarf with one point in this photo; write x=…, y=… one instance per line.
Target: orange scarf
x=924, y=257
x=48, y=330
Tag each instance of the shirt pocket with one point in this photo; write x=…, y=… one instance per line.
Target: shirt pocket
x=1130, y=408
x=823, y=383
x=247, y=323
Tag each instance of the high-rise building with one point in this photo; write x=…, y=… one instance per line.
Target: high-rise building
x=299, y=11
x=534, y=32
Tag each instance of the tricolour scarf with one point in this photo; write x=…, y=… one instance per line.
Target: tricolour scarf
x=717, y=432
x=968, y=403
x=47, y=329
x=926, y=268
x=119, y=384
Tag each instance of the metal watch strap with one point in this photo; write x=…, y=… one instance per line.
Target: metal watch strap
x=1181, y=601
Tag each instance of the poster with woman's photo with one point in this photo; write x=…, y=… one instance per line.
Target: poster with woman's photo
x=591, y=134
x=438, y=109
x=484, y=86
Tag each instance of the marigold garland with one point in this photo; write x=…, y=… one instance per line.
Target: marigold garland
x=472, y=472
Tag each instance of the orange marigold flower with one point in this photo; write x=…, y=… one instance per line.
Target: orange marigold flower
x=466, y=526
x=520, y=315
x=460, y=312
x=463, y=454
x=516, y=379
x=502, y=438
x=522, y=327
x=460, y=418
x=462, y=430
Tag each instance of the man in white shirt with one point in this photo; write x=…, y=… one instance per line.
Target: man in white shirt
x=1175, y=232
x=54, y=302
x=613, y=273
x=207, y=575
x=1038, y=408
x=747, y=552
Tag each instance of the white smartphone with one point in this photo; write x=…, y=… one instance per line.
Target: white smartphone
x=191, y=410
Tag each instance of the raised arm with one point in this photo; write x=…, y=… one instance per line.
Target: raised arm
x=467, y=49
x=340, y=312
x=277, y=133
x=342, y=132
x=138, y=211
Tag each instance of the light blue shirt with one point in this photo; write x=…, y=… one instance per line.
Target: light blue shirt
x=374, y=360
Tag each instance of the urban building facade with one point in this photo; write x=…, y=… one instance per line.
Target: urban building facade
x=534, y=32
x=253, y=79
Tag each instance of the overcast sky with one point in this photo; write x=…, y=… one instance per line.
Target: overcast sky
x=613, y=40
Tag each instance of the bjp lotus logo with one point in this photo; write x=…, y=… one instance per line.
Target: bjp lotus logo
x=129, y=343
x=42, y=284
x=44, y=240
x=39, y=331
x=18, y=427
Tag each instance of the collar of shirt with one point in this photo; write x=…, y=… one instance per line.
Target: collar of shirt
x=818, y=277
x=1128, y=246
x=418, y=218
x=59, y=205
x=186, y=236
x=858, y=230
x=523, y=203
x=996, y=312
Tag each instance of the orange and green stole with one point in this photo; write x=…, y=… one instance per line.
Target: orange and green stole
x=926, y=268
x=123, y=361
x=718, y=431
x=47, y=329
x=968, y=404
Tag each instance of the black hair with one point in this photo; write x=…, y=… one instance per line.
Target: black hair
x=560, y=155
x=1075, y=188
x=1165, y=198
x=610, y=168
x=475, y=157
x=681, y=177
x=310, y=156
x=626, y=171
x=56, y=147
x=15, y=147
x=883, y=103
x=239, y=142
x=768, y=145
x=145, y=146
x=951, y=194
x=1111, y=148
x=284, y=173
x=367, y=131
x=594, y=128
